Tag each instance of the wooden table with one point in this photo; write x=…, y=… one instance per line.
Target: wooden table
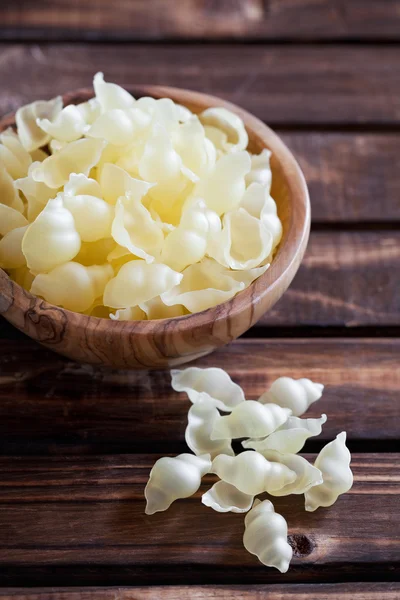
x=77, y=442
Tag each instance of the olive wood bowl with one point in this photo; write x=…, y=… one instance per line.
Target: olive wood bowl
x=171, y=342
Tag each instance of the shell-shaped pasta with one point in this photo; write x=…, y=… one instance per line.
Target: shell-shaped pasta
x=10, y=219
x=8, y=191
x=95, y=253
x=156, y=309
x=213, y=382
x=173, y=478
x=201, y=419
x=290, y=437
x=72, y=285
x=334, y=463
x=224, y=497
x=244, y=242
x=116, y=183
x=251, y=473
x=111, y=95
x=65, y=126
x=223, y=188
x=89, y=110
x=266, y=536
x=135, y=313
x=119, y=127
x=134, y=228
x=16, y=160
x=217, y=137
x=260, y=170
x=51, y=239
x=137, y=282
x=76, y=157
x=259, y=204
x=11, y=256
x=79, y=184
x=250, y=419
x=30, y=133
x=191, y=144
x=307, y=476
x=37, y=194
x=296, y=394
x=22, y=276
x=230, y=124
x=204, y=284
x=187, y=243
x=93, y=216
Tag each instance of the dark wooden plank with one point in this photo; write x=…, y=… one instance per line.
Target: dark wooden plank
x=346, y=278
x=290, y=85
x=333, y=591
x=240, y=19
x=352, y=177
x=89, y=513
x=48, y=404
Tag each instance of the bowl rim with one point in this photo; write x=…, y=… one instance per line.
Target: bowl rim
x=289, y=250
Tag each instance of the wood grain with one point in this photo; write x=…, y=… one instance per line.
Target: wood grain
x=50, y=405
x=336, y=591
x=239, y=19
x=89, y=512
x=290, y=85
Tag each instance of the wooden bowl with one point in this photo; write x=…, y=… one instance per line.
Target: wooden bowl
x=171, y=342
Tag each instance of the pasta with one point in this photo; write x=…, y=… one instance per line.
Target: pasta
x=224, y=497
x=295, y=394
x=251, y=473
x=173, y=478
x=250, y=419
x=213, y=382
x=334, y=463
x=266, y=536
x=120, y=181
x=201, y=419
x=307, y=476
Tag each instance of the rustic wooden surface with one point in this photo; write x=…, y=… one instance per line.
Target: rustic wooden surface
x=77, y=442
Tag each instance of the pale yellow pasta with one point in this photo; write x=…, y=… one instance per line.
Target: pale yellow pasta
x=259, y=204
x=296, y=394
x=260, y=171
x=191, y=144
x=224, y=497
x=119, y=127
x=217, y=137
x=307, y=476
x=135, y=313
x=15, y=159
x=156, y=309
x=116, y=183
x=51, y=239
x=201, y=419
x=334, y=463
x=266, y=536
x=8, y=191
x=111, y=96
x=22, y=276
x=76, y=157
x=230, y=124
x=173, y=478
x=137, y=282
x=66, y=126
x=37, y=194
x=80, y=184
x=251, y=473
x=250, y=419
x=93, y=216
x=38, y=155
x=95, y=253
x=243, y=243
x=89, y=110
x=73, y=286
x=10, y=219
x=223, y=188
x=11, y=256
x=213, y=382
x=30, y=133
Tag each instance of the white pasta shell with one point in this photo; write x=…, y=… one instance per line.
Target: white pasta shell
x=260, y=171
x=72, y=285
x=296, y=394
x=250, y=419
x=9, y=191
x=10, y=219
x=231, y=124
x=259, y=204
x=37, y=194
x=135, y=313
x=307, y=476
x=11, y=255
x=334, y=463
x=251, y=473
x=224, y=497
x=15, y=159
x=214, y=382
x=138, y=282
x=65, y=126
x=191, y=144
x=289, y=437
x=116, y=183
x=173, y=478
x=30, y=133
x=51, y=239
x=111, y=95
x=156, y=309
x=119, y=127
x=201, y=418
x=266, y=536
x=93, y=216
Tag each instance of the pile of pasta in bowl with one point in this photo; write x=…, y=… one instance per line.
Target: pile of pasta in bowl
x=133, y=209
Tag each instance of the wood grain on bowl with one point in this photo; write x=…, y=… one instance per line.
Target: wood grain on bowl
x=148, y=344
